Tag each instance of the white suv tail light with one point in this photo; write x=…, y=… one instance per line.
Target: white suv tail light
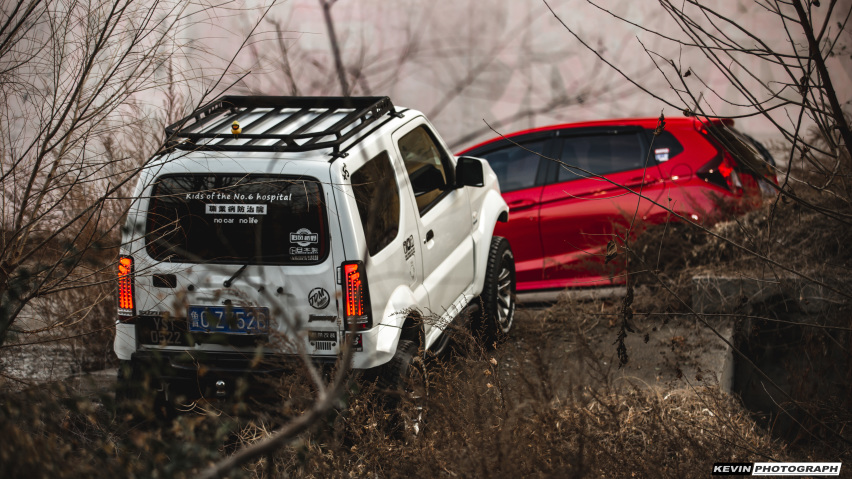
x=126, y=306
x=356, y=295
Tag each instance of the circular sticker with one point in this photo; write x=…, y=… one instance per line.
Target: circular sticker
x=318, y=298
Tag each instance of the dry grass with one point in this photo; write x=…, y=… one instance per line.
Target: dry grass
x=488, y=415
x=482, y=425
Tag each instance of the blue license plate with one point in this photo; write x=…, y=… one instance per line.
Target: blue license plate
x=228, y=319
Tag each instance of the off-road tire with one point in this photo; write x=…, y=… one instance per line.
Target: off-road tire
x=406, y=380
x=498, y=295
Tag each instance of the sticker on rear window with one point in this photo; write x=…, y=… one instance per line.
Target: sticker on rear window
x=199, y=195
x=300, y=253
x=304, y=237
x=661, y=154
x=229, y=209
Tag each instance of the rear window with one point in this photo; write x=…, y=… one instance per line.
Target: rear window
x=246, y=219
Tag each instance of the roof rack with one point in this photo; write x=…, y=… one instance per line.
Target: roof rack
x=277, y=123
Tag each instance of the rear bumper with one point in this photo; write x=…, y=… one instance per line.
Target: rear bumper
x=207, y=374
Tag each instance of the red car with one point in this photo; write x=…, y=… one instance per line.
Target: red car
x=563, y=213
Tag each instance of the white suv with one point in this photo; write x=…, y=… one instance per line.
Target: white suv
x=273, y=226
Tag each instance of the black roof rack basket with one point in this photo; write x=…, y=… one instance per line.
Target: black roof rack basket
x=277, y=123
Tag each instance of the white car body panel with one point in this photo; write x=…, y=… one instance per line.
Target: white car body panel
x=438, y=279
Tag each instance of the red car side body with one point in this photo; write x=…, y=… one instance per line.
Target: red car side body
x=572, y=188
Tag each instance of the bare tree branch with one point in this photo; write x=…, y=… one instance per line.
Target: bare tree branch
x=335, y=47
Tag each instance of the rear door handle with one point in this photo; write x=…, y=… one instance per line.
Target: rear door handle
x=637, y=181
x=429, y=235
x=632, y=183
x=522, y=203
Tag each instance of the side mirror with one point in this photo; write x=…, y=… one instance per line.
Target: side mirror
x=425, y=179
x=469, y=172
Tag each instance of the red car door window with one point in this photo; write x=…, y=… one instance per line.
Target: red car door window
x=600, y=155
x=581, y=211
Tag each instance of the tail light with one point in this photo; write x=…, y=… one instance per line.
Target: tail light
x=356, y=295
x=720, y=170
x=126, y=306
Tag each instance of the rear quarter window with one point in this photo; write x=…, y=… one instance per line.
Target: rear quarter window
x=377, y=197
x=665, y=145
x=244, y=219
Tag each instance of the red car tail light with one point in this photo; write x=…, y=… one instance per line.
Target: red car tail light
x=356, y=295
x=126, y=306
x=720, y=170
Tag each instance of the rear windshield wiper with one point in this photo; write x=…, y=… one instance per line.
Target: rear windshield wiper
x=230, y=280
